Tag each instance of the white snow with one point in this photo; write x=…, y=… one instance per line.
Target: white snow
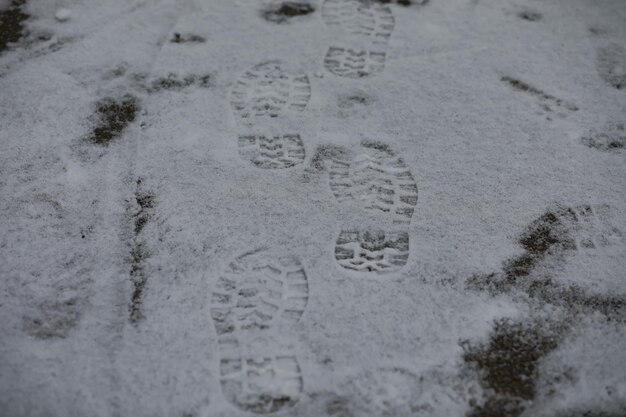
x=63, y=14
x=487, y=159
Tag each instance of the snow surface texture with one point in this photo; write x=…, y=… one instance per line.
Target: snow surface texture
x=312, y=208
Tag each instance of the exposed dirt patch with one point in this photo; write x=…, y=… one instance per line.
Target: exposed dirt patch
x=546, y=99
x=508, y=366
x=605, y=142
x=548, y=233
x=139, y=279
x=187, y=38
x=404, y=3
x=612, y=140
x=113, y=117
x=12, y=24
x=354, y=100
x=530, y=15
x=597, y=31
x=522, y=86
x=576, y=300
x=176, y=83
x=145, y=203
x=548, y=236
x=589, y=413
x=285, y=11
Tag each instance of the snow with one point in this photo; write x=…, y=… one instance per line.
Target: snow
x=63, y=14
x=488, y=157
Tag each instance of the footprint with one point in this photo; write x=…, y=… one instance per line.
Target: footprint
x=377, y=181
x=363, y=29
x=263, y=93
x=259, y=295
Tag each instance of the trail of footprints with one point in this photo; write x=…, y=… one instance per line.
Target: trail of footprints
x=361, y=32
x=262, y=293
x=266, y=91
x=255, y=300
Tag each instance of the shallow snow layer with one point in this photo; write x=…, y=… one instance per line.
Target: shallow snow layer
x=338, y=208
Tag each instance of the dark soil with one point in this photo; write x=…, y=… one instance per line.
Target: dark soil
x=404, y=3
x=545, y=235
x=353, y=100
x=508, y=366
x=145, y=202
x=139, y=280
x=548, y=236
x=529, y=89
x=589, y=413
x=173, y=82
x=12, y=24
x=113, y=117
x=530, y=16
x=188, y=38
x=138, y=253
x=286, y=10
x=606, y=141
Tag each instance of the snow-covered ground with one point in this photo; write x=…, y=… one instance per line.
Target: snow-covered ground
x=315, y=208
